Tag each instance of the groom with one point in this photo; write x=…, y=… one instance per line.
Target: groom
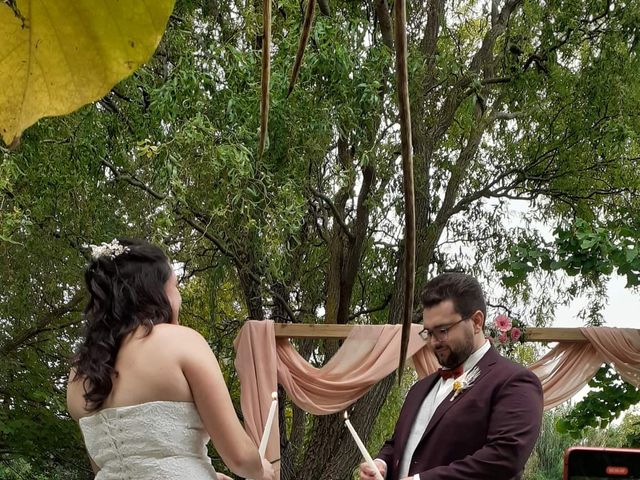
x=454, y=426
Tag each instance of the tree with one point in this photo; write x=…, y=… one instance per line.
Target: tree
x=526, y=101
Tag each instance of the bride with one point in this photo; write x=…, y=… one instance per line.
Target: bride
x=148, y=393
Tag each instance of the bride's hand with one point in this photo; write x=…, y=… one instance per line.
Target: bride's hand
x=268, y=472
x=222, y=476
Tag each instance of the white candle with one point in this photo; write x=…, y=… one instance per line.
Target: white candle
x=267, y=427
x=362, y=448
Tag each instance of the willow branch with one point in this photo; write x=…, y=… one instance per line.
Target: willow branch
x=130, y=179
x=336, y=214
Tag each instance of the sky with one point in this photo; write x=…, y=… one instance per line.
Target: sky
x=623, y=309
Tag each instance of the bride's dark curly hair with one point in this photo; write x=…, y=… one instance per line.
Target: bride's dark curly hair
x=126, y=290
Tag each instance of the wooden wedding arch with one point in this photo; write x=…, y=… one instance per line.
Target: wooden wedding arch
x=265, y=358
x=320, y=331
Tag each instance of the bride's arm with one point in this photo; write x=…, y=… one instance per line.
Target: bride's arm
x=94, y=467
x=76, y=406
x=212, y=399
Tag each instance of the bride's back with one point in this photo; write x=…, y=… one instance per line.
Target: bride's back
x=147, y=369
x=148, y=441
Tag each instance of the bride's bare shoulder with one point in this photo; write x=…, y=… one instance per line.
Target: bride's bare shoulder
x=188, y=347
x=178, y=334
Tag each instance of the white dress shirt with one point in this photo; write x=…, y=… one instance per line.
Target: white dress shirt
x=434, y=398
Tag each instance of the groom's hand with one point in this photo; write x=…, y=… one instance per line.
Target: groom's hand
x=366, y=473
x=268, y=472
x=222, y=476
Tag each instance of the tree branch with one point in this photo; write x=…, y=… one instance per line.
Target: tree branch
x=130, y=179
x=335, y=212
x=366, y=311
x=42, y=324
x=384, y=21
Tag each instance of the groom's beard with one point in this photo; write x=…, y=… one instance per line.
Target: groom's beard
x=452, y=354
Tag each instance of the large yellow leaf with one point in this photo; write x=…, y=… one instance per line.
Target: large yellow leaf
x=57, y=55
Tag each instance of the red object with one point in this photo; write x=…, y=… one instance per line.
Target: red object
x=617, y=471
x=451, y=373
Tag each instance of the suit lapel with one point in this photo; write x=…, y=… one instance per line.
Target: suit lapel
x=484, y=365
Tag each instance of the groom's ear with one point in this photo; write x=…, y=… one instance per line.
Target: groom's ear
x=478, y=321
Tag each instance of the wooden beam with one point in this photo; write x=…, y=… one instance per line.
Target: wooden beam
x=307, y=330
x=300, y=330
x=534, y=334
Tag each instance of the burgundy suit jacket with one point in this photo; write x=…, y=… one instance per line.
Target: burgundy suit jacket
x=486, y=433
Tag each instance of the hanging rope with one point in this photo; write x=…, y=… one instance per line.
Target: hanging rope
x=266, y=75
x=302, y=44
x=402, y=76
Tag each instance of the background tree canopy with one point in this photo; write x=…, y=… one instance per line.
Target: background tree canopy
x=513, y=101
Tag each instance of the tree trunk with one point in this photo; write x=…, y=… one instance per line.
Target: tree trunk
x=332, y=453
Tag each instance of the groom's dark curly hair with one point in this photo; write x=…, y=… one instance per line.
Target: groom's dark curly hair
x=463, y=290
x=126, y=290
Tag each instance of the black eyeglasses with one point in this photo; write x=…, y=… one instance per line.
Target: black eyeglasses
x=439, y=333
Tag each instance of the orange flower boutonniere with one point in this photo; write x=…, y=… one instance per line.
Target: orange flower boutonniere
x=465, y=382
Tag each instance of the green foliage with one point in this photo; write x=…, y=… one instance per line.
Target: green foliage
x=608, y=398
x=20, y=469
x=584, y=249
x=629, y=431
x=34, y=426
x=546, y=461
x=170, y=155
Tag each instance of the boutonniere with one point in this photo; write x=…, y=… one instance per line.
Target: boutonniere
x=465, y=382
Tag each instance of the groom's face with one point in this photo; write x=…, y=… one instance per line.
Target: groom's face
x=451, y=335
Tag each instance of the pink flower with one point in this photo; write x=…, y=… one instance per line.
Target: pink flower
x=502, y=323
x=502, y=338
x=515, y=334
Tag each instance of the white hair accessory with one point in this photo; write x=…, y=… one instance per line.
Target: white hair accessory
x=111, y=250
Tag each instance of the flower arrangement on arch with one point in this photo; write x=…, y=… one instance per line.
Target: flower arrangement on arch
x=504, y=332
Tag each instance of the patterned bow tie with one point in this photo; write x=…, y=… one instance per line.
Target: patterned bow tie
x=446, y=374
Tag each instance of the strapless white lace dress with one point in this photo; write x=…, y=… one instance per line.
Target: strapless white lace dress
x=150, y=441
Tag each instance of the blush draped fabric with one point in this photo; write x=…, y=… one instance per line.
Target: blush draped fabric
x=367, y=355
x=570, y=365
x=370, y=353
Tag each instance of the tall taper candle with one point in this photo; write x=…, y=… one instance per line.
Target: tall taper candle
x=267, y=426
x=362, y=448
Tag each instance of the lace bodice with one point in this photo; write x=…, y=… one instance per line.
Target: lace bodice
x=155, y=440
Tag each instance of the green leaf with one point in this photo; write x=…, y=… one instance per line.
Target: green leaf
x=58, y=56
x=588, y=243
x=510, y=281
